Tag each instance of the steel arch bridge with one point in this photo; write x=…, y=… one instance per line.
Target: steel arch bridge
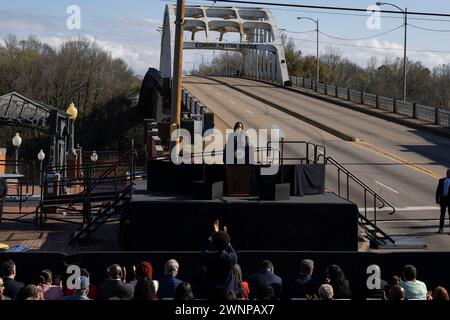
x=259, y=38
x=18, y=110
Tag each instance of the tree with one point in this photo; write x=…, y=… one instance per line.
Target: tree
x=78, y=71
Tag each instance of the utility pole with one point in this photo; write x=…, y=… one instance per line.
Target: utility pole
x=177, y=66
x=317, y=48
x=404, y=55
x=405, y=58
x=317, y=53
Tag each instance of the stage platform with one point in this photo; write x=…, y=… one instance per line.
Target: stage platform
x=162, y=222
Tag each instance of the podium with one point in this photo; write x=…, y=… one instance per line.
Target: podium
x=238, y=180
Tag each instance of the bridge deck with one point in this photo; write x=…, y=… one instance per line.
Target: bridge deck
x=395, y=160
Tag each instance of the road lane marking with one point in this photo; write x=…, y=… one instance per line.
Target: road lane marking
x=233, y=102
x=396, y=158
x=419, y=208
x=248, y=111
x=385, y=186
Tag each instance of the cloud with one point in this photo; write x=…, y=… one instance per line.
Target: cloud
x=138, y=56
x=27, y=23
x=136, y=41
x=154, y=21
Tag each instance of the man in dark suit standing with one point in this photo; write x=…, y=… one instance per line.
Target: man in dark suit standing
x=266, y=276
x=12, y=287
x=115, y=286
x=443, y=198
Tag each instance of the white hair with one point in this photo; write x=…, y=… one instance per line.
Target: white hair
x=171, y=267
x=326, y=292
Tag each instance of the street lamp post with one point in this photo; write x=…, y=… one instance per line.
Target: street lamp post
x=94, y=158
x=16, y=141
x=73, y=113
x=405, y=22
x=193, y=66
x=317, y=48
x=41, y=157
x=203, y=61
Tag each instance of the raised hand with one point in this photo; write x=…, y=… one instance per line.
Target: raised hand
x=216, y=225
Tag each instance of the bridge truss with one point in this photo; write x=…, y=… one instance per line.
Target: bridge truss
x=259, y=39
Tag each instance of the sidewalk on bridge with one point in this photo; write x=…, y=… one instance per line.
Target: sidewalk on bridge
x=386, y=115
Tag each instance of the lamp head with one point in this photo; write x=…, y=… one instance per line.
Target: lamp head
x=380, y=3
x=41, y=155
x=72, y=111
x=94, y=156
x=17, y=140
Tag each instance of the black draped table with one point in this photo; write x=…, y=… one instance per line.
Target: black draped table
x=164, y=176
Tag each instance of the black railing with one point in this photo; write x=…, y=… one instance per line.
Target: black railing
x=315, y=153
x=368, y=193
x=25, y=177
x=310, y=149
x=20, y=181
x=68, y=192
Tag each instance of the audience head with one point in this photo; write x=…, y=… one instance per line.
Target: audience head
x=326, y=292
x=84, y=273
x=230, y=295
x=8, y=269
x=396, y=280
x=307, y=267
x=335, y=274
x=265, y=292
x=171, y=268
x=115, y=272
x=409, y=273
x=30, y=292
x=396, y=293
x=183, y=292
x=45, y=277
x=220, y=240
x=144, y=289
x=267, y=266
x=144, y=269
x=84, y=286
x=440, y=294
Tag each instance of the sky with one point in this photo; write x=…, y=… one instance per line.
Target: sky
x=128, y=28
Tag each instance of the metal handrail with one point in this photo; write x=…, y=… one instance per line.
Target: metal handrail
x=307, y=144
x=366, y=188
x=126, y=192
x=210, y=153
x=28, y=176
x=103, y=176
x=89, y=185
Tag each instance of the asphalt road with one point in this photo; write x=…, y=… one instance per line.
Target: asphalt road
x=399, y=163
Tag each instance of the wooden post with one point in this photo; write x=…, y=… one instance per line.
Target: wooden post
x=178, y=65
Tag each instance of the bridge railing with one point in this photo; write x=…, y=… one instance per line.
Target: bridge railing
x=428, y=114
x=191, y=104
